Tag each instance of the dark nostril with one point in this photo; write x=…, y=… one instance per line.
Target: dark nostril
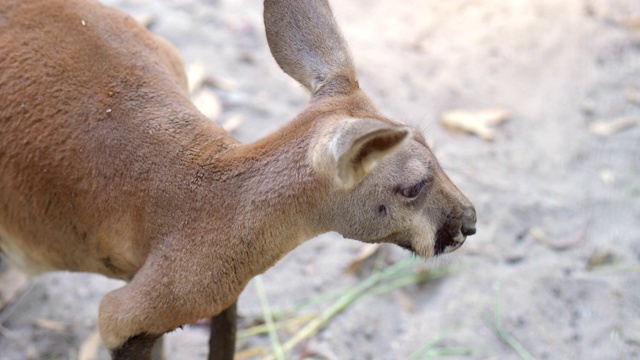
x=468, y=229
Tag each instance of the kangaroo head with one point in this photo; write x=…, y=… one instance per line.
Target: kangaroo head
x=387, y=186
x=383, y=182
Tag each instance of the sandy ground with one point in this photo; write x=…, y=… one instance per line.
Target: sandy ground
x=558, y=207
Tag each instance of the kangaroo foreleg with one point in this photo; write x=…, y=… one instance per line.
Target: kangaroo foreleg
x=222, y=342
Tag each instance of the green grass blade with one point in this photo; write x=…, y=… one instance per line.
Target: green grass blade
x=273, y=335
x=496, y=325
x=430, y=346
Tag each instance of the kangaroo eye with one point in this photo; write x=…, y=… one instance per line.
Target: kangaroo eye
x=414, y=191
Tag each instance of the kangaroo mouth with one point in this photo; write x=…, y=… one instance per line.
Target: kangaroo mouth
x=447, y=242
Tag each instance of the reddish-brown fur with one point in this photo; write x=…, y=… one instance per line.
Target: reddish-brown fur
x=107, y=167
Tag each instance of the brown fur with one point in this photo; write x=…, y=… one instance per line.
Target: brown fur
x=107, y=167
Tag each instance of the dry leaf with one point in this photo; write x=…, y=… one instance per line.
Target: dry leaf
x=51, y=325
x=196, y=75
x=366, y=252
x=404, y=301
x=607, y=176
x=208, y=103
x=146, y=20
x=606, y=128
x=32, y=352
x=311, y=350
x=476, y=122
x=600, y=258
x=233, y=122
x=632, y=24
x=90, y=347
x=222, y=83
x=633, y=95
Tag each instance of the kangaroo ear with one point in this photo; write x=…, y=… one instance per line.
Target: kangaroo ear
x=307, y=44
x=355, y=146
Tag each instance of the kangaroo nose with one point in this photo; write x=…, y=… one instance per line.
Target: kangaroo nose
x=469, y=225
x=468, y=229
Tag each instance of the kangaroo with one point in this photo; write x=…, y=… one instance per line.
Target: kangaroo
x=107, y=167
